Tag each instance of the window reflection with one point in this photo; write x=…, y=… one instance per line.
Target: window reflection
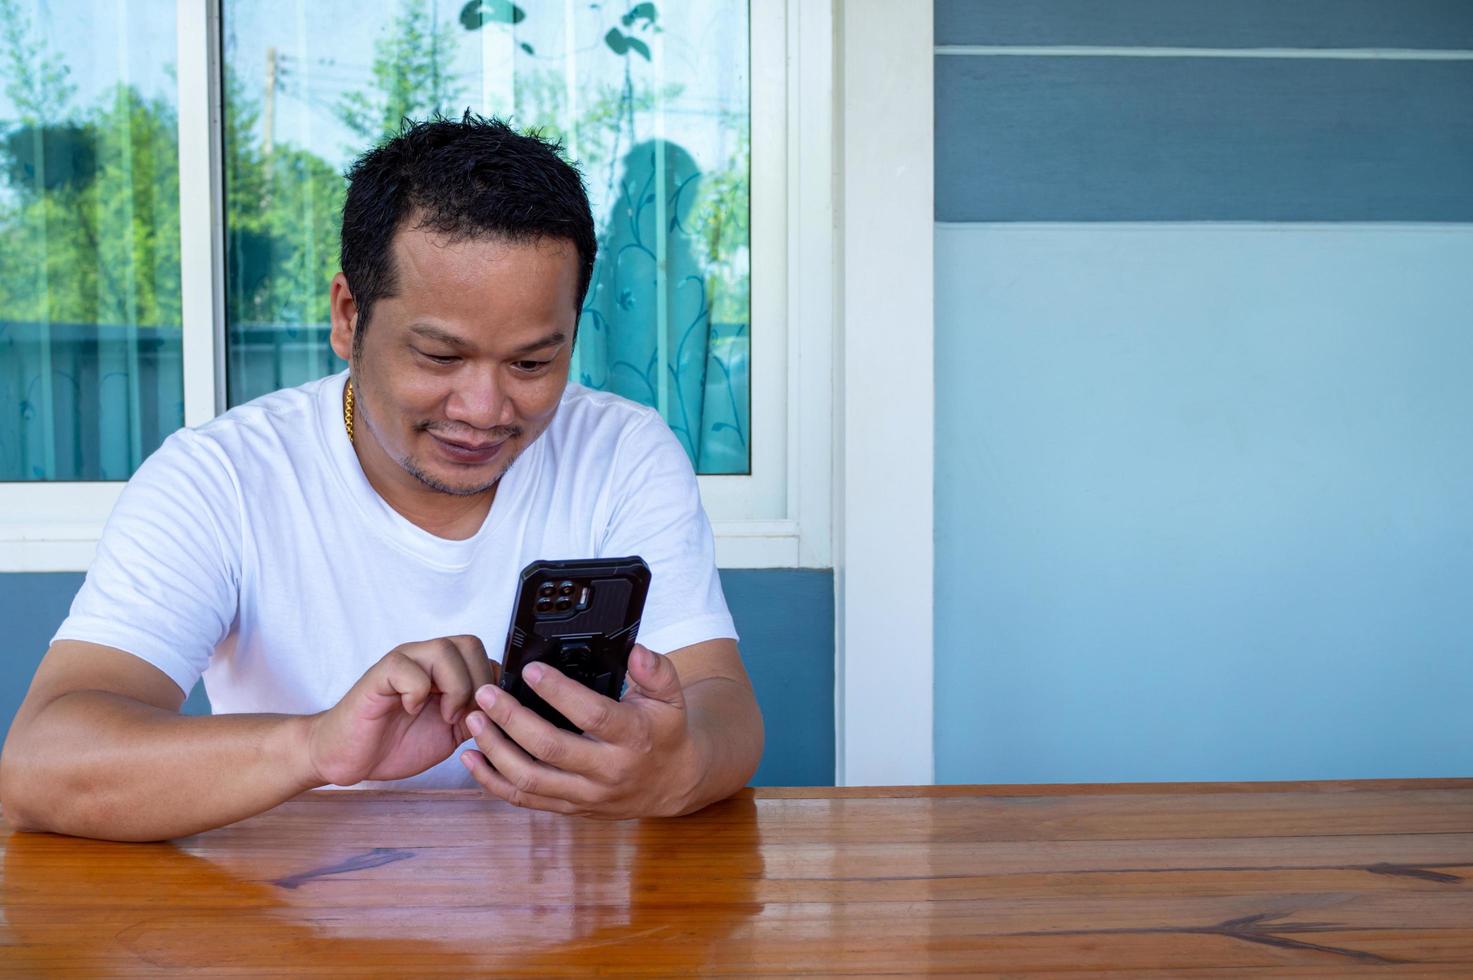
x=90, y=372
x=650, y=99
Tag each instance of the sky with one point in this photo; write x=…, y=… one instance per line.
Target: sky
x=325, y=48
x=102, y=41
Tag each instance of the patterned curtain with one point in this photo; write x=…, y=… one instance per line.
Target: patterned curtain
x=647, y=331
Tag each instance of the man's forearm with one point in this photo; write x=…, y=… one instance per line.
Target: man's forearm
x=94, y=764
x=726, y=725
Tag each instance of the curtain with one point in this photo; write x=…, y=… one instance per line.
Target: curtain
x=647, y=332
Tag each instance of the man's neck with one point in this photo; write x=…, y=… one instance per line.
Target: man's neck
x=445, y=515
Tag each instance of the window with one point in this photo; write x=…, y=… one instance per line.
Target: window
x=702, y=131
x=90, y=374
x=649, y=98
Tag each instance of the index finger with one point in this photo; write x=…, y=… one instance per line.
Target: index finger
x=449, y=673
x=599, y=717
x=482, y=668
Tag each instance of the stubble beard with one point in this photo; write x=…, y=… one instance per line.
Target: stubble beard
x=413, y=467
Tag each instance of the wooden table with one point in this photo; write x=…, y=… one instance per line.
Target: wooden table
x=1286, y=879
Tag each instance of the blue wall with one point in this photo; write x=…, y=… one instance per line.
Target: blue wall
x=1204, y=333
x=785, y=617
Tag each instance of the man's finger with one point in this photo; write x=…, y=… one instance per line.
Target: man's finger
x=525, y=773
x=655, y=676
x=405, y=678
x=601, y=717
x=495, y=783
x=481, y=668
x=539, y=737
x=449, y=673
x=473, y=651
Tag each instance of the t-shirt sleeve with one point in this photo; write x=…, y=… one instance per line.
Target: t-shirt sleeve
x=656, y=513
x=164, y=584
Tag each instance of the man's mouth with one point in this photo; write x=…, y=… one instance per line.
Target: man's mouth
x=471, y=453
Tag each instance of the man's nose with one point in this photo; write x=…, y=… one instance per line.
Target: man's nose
x=481, y=401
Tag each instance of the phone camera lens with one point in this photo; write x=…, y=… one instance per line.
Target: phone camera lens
x=546, y=589
x=544, y=605
x=564, y=603
x=565, y=589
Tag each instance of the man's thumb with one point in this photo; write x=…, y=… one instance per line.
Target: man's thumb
x=655, y=675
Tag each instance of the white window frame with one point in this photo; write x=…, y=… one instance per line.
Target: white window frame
x=885, y=404
x=776, y=516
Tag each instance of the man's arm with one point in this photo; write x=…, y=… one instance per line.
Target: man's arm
x=681, y=738
x=99, y=749
x=723, y=717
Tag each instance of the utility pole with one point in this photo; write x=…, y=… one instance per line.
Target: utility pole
x=268, y=114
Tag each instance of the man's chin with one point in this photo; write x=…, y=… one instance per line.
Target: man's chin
x=456, y=485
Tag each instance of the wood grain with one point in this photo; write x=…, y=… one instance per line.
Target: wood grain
x=1303, y=879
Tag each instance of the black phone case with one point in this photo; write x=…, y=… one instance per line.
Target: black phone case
x=590, y=642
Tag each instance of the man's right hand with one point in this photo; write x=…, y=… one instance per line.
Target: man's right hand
x=406, y=714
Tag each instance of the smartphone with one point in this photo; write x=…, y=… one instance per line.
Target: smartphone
x=578, y=616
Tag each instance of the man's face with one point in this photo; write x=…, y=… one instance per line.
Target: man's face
x=464, y=366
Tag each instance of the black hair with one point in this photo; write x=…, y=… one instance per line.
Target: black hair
x=469, y=178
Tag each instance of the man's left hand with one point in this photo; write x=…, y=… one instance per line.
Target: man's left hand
x=637, y=757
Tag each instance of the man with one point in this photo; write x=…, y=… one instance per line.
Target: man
x=335, y=559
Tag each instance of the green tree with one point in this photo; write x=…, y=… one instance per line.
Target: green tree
x=541, y=105
x=413, y=74
x=282, y=217
x=100, y=242
x=89, y=231
x=722, y=221
x=35, y=80
x=284, y=208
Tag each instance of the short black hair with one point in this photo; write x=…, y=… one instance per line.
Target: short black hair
x=475, y=177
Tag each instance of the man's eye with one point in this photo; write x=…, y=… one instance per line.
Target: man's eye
x=530, y=366
x=439, y=358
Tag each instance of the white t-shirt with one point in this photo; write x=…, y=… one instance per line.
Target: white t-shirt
x=253, y=551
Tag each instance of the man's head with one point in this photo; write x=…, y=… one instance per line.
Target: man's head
x=467, y=249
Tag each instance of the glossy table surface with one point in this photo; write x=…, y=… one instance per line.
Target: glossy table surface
x=1287, y=879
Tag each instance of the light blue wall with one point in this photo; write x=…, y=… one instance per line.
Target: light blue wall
x=785, y=618
x=1204, y=395
x=1204, y=503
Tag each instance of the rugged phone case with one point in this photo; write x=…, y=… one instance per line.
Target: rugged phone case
x=580, y=617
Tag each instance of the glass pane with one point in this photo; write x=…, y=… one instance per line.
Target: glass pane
x=650, y=99
x=90, y=373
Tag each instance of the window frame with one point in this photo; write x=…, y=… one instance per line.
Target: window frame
x=777, y=516
x=884, y=539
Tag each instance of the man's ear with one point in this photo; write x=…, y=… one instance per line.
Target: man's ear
x=343, y=310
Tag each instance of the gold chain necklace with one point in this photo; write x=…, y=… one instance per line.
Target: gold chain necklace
x=348, y=409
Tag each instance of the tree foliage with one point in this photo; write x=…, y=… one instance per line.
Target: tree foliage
x=89, y=207
x=102, y=247
x=35, y=80
x=283, y=210
x=413, y=75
